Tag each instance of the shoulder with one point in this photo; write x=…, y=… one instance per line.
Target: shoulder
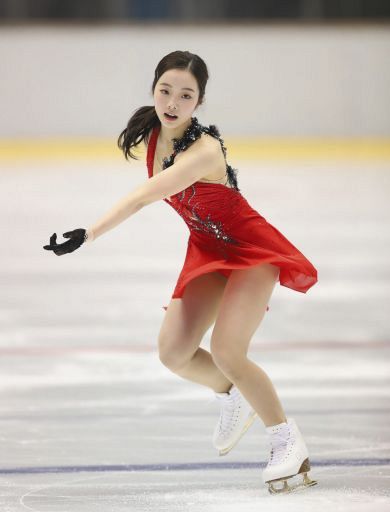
x=210, y=140
x=205, y=146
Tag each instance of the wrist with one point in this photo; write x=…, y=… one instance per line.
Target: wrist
x=89, y=236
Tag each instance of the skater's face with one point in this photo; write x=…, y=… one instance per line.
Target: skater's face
x=176, y=91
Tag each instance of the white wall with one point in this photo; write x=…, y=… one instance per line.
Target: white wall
x=264, y=79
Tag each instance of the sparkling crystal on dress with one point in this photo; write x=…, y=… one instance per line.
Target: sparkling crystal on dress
x=209, y=226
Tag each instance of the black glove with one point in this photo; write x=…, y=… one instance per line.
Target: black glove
x=77, y=238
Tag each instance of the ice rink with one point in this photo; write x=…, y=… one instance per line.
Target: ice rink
x=90, y=418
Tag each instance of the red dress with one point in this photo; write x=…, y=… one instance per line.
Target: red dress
x=226, y=233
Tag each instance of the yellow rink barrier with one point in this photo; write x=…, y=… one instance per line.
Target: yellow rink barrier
x=248, y=148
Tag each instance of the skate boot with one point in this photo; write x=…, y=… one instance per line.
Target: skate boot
x=235, y=419
x=289, y=457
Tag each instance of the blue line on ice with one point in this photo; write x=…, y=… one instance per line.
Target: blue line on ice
x=183, y=467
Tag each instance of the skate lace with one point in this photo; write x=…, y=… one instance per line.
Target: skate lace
x=279, y=444
x=229, y=414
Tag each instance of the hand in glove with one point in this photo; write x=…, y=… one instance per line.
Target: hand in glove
x=76, y=238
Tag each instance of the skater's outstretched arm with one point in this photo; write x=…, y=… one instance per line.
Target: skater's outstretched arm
x=198, y=161
x=192, y=166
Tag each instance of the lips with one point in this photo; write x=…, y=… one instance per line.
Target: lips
x=169, y=117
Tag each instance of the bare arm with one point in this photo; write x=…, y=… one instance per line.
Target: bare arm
x=126, y=207
x=195, y=163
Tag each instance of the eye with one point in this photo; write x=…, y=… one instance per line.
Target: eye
x=164, y=90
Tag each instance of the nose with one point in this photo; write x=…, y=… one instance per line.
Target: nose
x=172, y=105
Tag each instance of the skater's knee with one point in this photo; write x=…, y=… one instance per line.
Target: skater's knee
x=230, y=362
x=172, y=361
x=174, y=354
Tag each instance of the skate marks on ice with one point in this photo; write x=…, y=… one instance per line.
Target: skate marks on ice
x=147, y=437
x=180, y=487
x=195, y=491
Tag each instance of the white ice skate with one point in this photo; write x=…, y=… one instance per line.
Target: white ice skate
x=289, y=457
x=235, y=419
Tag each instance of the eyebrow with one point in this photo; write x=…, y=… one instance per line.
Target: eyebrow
x=183, y=88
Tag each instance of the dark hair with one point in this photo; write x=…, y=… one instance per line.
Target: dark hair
x=145, y=118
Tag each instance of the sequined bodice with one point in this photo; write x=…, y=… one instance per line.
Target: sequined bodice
x=207, y=208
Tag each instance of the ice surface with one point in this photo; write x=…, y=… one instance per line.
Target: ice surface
x=90, y=418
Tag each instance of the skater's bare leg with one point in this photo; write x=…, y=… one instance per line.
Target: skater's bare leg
x=242, y=308
x=202, y=369
x=185, y=323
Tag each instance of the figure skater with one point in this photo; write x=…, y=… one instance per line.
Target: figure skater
x=234, y=259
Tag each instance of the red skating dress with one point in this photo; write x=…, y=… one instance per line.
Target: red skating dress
x=226, y=233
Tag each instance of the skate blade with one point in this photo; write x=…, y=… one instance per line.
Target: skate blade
x=250, y=420
x=306, y=482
